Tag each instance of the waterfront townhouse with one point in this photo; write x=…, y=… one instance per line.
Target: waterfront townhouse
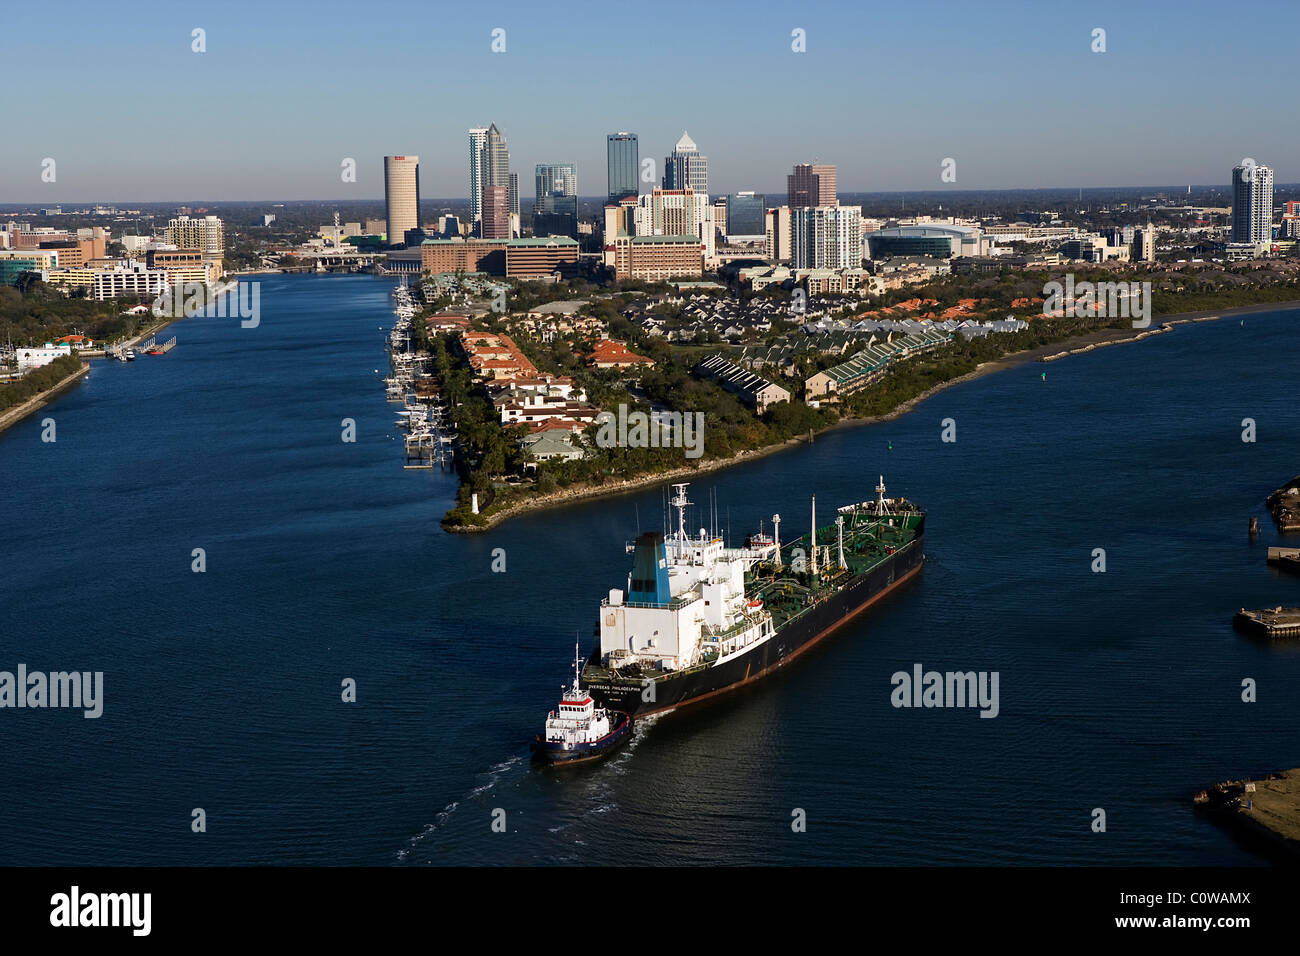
x=752, y=389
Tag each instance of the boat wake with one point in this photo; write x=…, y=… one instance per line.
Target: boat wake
x=489, y=779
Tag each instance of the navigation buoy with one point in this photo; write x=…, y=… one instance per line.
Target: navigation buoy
x=1044, y=376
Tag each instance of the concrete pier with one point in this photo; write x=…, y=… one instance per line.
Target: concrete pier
x=1269, y=622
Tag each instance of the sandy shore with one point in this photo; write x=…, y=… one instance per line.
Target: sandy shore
x=16, y=414
x=1052, y=352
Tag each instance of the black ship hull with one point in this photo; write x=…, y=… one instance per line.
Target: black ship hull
x=642, y=697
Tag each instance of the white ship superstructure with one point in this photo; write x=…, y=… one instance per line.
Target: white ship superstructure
x=685, y=601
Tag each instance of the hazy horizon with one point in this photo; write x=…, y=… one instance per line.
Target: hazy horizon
x=284, y=93
x=528, y=199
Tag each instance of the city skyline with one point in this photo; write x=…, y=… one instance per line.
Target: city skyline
x=990, y=110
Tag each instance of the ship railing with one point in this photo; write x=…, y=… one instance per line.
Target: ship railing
x=675, y=604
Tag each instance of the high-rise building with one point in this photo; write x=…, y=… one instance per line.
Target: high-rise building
x=686, y=168
x=556, y=210
x=620, y=221
x=206, y=234
x=827, y=237
x=556, y=179
x=778, y=247
x=496, y=213
x=1290, y=225
x=676, y=212
x=1144, y=244
x=477, y=137
x=401, y=196
x=1252, y=203
x=811, y=185
x=514, y=194
x=496, y=159
x=745, y=215
x=556, y=216
x=494, y=166
x=623, y=160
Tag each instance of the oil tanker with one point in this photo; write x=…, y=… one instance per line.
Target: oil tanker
x=698, y=618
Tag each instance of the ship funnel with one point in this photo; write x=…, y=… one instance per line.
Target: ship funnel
x=649, y=579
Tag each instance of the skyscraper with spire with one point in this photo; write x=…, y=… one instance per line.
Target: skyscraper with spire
x=489, y=180
x=686, y=167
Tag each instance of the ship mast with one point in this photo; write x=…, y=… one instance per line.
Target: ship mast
x=776, y=537
x=839, y=522
x=813, y=536
x=680, y=503
x=881, y=507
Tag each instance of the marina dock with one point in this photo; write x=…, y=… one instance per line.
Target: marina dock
x=1269, y=622
x=430, y=437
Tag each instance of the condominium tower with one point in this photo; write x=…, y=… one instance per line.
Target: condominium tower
x=827, y=237
x=1252, y=203
x=477, y=137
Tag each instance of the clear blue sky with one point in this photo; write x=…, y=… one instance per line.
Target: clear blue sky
x=287, y=89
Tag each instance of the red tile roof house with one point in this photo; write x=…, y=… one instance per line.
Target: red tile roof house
x=447, y=323
x=610, y=354
x=76, y=341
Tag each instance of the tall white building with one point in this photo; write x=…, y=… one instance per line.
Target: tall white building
x=477, y=139
x=826, y=237
x=401, y=196
x=133, y=279
x=1252, y=203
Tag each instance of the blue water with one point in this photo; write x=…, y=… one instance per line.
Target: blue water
x=325, y=561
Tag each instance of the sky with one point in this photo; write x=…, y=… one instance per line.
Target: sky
x=286, y=90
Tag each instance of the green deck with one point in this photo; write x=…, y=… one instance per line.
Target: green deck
x=787, y=592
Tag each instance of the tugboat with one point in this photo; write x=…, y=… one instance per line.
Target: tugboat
x=578, y=730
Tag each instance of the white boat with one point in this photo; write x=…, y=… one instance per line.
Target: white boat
x=577, y=730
